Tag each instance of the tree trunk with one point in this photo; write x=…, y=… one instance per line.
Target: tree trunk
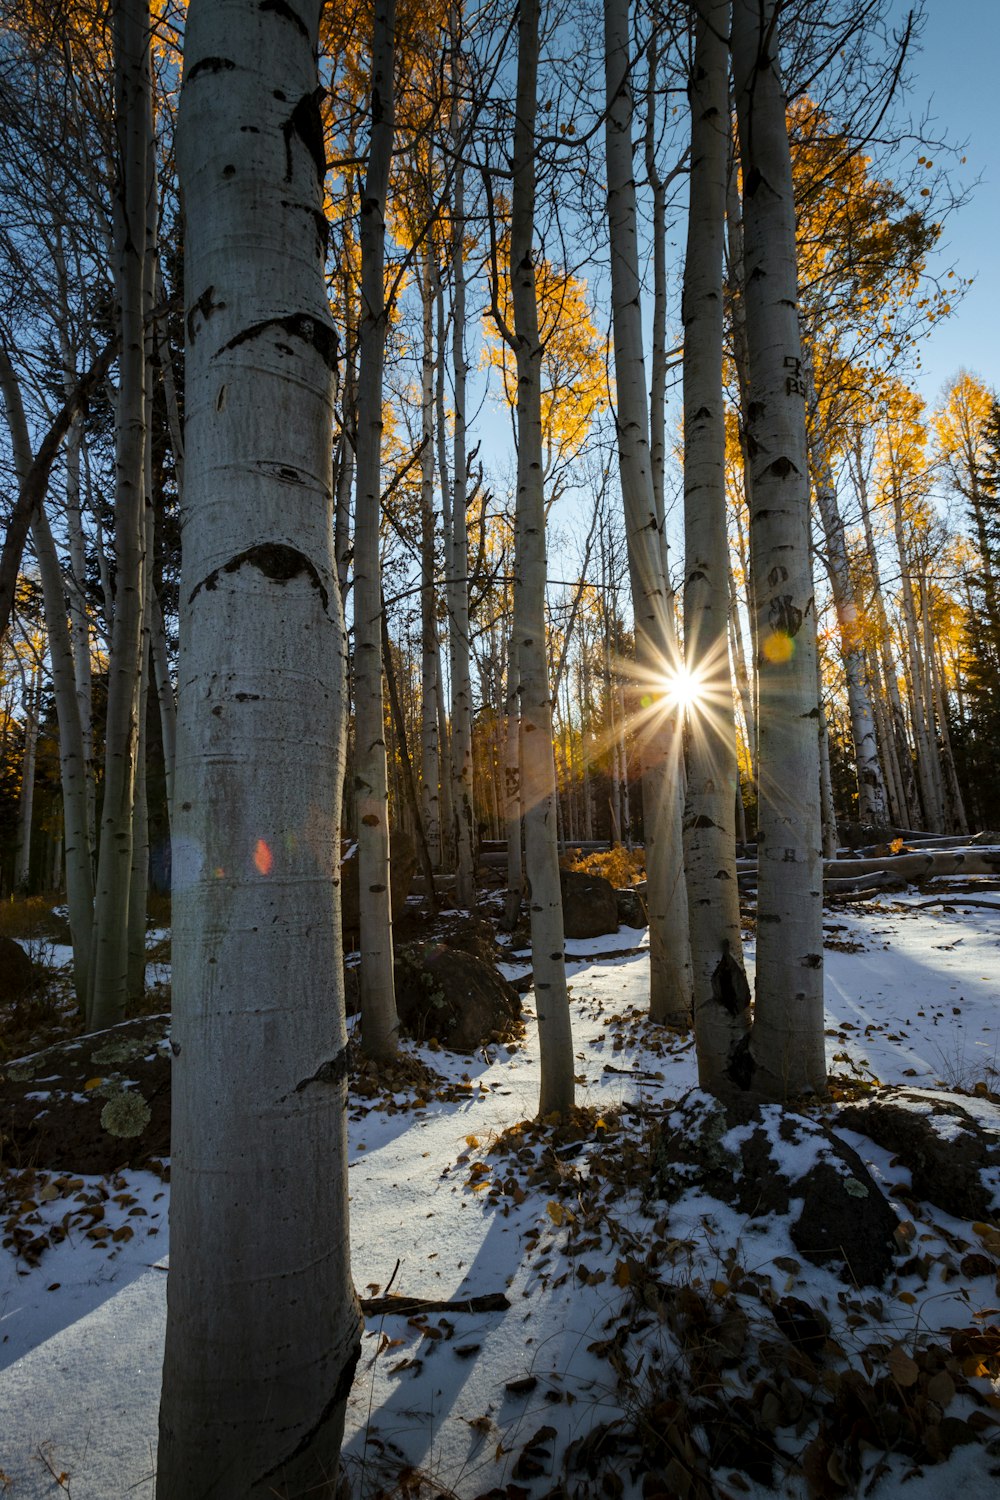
x=379, y=1022
x=872, y=805
x=263, y=1327
x=430, y=655
x=26, y=801
x=655, y=643
x=787, y=1052
x=721, y=991
x=457, y=560
x=538, y=788
x=109, y=980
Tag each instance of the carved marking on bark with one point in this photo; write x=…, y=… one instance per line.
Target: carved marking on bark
x=311, y=330
x=276, y=560
x=206, y=306
x=284, y=10
x=785, y=616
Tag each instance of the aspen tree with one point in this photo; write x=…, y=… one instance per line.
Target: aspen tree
x=379, y=1021
x=656, y=651
x=109, y=963
x=263, y=1328
x=786, y=1055
x=538, y=789
x=721, y=991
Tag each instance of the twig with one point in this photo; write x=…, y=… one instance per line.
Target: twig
x=373, y=1307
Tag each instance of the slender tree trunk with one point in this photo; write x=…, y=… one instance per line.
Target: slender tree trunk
x=787, y=1052
x=109, y=982
x=26, y=801
x=911, y=815
x=548, y=960
x=511, y=753
x=721, y=991
x=430, y=653
x=379, y=1022
x=263, y=1327
x=458, y=561
x=872, y=807
x=165, y=699
x=656, y=647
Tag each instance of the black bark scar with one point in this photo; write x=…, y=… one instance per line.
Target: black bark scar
x=334, y=1070
x=341, y=1392
x=304, y=326
x=210, y=65
x=206, y=306
x=284, y=10
x=306, y=121
x=277, y=561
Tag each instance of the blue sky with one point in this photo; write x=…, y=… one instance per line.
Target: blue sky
x=957, y=73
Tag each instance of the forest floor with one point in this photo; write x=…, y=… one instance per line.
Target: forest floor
x=584, y=1316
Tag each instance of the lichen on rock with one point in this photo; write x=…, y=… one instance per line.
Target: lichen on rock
x=126, y=1114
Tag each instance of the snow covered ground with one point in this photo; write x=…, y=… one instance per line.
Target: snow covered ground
x=446, y=1203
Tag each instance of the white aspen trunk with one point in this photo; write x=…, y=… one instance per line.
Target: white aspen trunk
x=26, y=801
x=949, y=771
x=430, y=661
x=109, y=980
x=909, y=816
x=511, y=754
x=922, y=715
x=787, y=1051
x=658, y=353
x=872, y=805
x=831, y=843
x=538, y=790
x=458, y=568
x=660, y=736
x=379, y=1022
x=929, y=699
x=73, y=763
x=263, y=1327
x=76, y=593
x=165, y=699
x=721, y=990
x=741, y=674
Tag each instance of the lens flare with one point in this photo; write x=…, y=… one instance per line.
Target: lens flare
x=263, y=858
x=684, y=689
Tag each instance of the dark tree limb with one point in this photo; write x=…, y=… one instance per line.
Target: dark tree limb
x=35, y=482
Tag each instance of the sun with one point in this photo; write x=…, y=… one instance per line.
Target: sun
x=684, y=689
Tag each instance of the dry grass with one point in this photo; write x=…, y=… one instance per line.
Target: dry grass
x=623, y=867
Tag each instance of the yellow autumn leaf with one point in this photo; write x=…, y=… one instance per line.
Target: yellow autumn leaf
x=622, y=1275
x=92, y=1083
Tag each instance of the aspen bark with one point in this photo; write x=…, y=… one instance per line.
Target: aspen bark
x=548, y=959
x=379, y=1021
x=458, y=569
x=109, y=978
x=721, y=991
x=660, y=735
x=263, y=1327
x=872, y=805
x=787, y=1053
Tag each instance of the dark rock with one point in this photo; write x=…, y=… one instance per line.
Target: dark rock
x=589, y=905
x=738, y=1154
x=16, y=971
x=403, y=862
x=947, y=1144
x=631, y=907
x=456, y=997
x=54, y=1114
